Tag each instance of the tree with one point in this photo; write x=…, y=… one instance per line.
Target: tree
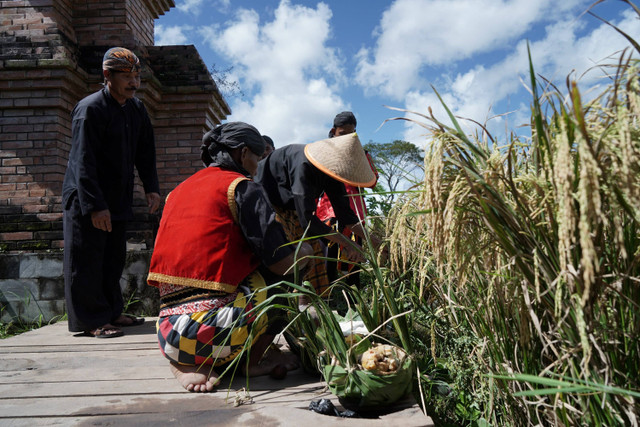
x=400, y=164
x=227, y=86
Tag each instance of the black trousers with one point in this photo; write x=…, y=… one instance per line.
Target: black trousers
x=93, y=264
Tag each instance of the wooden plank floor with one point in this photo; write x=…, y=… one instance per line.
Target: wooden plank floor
x=52, y=377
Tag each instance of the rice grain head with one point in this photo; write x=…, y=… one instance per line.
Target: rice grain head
x=566, y=216
x=591, y=216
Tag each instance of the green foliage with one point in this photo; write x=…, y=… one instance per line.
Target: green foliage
x=398, y=163
x=529, y=252
x=10, y=329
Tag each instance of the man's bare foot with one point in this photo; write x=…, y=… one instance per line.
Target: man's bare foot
x=271, y=359
x=199, y=379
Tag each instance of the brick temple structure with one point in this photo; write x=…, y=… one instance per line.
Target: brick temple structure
x=50, y=57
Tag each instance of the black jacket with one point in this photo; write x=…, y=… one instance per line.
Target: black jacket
x=292, y=182
x=107, y=141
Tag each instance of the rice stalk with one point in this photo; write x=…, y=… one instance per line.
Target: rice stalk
x=535, y=245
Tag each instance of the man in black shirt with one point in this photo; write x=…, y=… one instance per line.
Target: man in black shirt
x=111, y=133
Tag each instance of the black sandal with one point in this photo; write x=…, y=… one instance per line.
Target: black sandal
x=135, y=321
x=104, y=332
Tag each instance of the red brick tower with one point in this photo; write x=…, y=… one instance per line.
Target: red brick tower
x=50, y=57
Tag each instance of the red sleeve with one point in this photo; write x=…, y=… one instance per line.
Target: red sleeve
x=324, y=210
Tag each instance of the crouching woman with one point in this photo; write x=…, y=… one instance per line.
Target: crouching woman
x=217, y=232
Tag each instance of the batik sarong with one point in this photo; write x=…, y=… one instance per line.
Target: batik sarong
x=196, y=327
x=317, y=274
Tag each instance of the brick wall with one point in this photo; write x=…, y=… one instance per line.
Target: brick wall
x=188, y=110
x=50, y=57
x=38, y=86
x=117, y=22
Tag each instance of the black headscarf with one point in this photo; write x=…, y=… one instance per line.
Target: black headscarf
x=345, y=118
x=218, y=142
x=341, y=119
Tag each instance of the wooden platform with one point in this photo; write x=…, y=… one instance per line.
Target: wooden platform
x=52, y=377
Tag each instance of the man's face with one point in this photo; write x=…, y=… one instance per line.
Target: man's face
x=122, y=85
x=268, y=149
x=249, y=160
x=344, y=130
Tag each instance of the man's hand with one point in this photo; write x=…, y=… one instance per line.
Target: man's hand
x=101, y=220
x=153, y=201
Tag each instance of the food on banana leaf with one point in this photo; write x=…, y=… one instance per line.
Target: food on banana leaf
x=383, y=375
x=382, y=359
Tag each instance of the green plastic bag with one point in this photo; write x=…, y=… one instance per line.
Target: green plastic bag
x=361, y=390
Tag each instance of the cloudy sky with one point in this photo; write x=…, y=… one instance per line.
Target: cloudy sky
x=299, y=62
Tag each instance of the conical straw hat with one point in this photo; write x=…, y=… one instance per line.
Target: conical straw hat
x=342, y=158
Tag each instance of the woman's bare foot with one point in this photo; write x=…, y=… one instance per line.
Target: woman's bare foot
x=272, y=359
x=199, y=379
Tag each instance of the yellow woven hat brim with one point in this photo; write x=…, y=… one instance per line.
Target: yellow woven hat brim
x=342, y=158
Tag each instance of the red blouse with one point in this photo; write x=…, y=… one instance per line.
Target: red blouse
x=201, y=244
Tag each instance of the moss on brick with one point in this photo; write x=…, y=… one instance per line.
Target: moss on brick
x=10, y=227
x=20, y=63
x=36, y=226
x=64, y=62
x=7, y=246
x=30, y=245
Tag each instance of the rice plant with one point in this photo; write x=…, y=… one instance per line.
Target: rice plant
x=513, y=280
x=531, y=248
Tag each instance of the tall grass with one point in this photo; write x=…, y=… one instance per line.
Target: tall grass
x=532, y=248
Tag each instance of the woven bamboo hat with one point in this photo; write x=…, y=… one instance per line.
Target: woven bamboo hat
x=342, y=158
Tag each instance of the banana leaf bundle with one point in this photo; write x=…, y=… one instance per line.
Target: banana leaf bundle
x=383, y=376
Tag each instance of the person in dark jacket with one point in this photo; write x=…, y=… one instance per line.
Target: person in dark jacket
x=344, y=123
x=111, y=133
x=295, y=176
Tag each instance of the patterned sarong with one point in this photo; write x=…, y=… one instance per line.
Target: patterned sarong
x=216, y=336
x=317, y=273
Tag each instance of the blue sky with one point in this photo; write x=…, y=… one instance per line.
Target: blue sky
x=299, y=63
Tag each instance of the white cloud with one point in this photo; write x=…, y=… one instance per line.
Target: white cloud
x=189, y=6
x=196, y=6
x=171, y=35
x=293, y=76
x=414, y=34
x=560, y=52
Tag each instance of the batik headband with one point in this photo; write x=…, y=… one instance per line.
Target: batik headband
x=120, y=59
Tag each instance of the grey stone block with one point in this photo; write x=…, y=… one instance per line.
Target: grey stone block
x=9, y=266
x=32, y=286
x=36, y=266
x=32, y=311
x=51, y=289
x=139, y=267
x=18, y=289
